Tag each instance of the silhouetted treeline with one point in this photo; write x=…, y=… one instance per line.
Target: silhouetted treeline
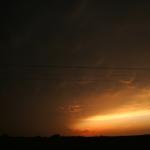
x=141, y=142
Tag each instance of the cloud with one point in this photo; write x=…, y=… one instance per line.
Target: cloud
x=125, y=110
x=74, y=108
x=130, y=81
x=127, y=82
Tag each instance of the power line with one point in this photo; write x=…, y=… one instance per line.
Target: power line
x=30, y=74
x=76, y=67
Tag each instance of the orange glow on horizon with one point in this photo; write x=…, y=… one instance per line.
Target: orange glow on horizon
x=111, y=124
x=118, y=116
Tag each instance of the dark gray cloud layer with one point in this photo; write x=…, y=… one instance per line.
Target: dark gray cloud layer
x=41, y=41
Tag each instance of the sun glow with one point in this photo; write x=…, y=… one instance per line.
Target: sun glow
x=111, y=123
x=118, y=116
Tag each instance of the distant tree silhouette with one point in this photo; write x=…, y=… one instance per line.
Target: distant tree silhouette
x=4, y=135
x=56, y=136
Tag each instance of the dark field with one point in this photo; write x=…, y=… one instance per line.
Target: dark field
x=61, y=142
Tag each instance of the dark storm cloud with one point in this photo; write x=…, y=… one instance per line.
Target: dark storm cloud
x=39, y=39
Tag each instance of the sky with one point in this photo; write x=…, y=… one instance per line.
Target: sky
x=77, y=67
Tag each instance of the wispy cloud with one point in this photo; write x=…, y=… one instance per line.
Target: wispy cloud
x=74, y=108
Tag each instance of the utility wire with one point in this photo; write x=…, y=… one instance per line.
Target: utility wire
x=75, y=67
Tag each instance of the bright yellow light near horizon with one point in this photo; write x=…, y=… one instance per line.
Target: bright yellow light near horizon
x=114, y=122
x=118, y=116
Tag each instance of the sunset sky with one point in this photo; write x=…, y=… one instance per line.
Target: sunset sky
x=75, y=67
